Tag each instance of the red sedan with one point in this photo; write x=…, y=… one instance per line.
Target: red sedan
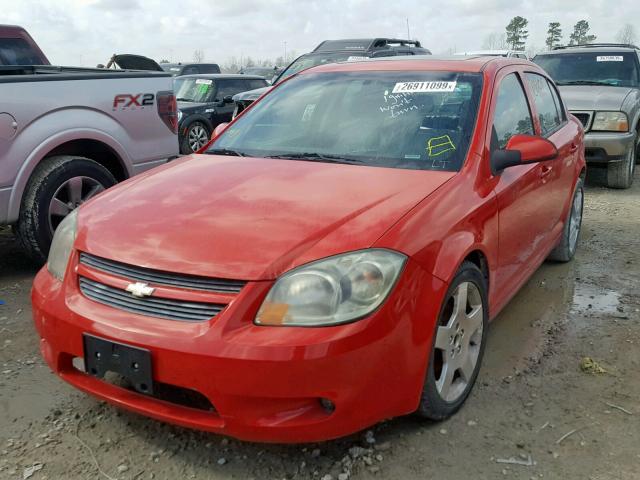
x=331, y=260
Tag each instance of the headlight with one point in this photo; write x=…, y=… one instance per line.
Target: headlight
x=611, y=122
x=335, y=290
x=62, y=244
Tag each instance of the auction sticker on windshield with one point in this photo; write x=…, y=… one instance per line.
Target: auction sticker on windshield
x=610, y=58
x=424, y=87
x=203, y=81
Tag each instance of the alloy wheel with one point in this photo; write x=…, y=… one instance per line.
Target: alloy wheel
x=458, y=341
x=575, y=221
x=69, y=196
x=198, y=137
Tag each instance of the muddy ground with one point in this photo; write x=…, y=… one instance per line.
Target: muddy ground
x=533, y=403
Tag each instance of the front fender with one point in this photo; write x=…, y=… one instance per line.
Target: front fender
x=40, y=150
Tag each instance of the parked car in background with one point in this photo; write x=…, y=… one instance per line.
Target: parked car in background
x=331, y=51
x=496, y=53
x=333, y=261
x=601, y=85
x=178, y=69
x=204, y=101
x=18, y=48
x=268, y=73
x=127, y=61
x=66, y=134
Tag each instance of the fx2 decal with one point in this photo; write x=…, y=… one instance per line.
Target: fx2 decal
x=127, y=100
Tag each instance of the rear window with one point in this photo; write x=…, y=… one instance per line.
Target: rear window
x=16, y=51
x=209, y=68
x=619, y=69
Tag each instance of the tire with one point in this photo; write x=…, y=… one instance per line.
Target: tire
x=197, y=134
x=438, y=402
x=620, y=174
x=51, y=194
x=566, y=249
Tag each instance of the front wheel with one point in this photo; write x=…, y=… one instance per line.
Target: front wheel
x=58, y=186
x=196, y=137
x=620, y=173
x=458, y=345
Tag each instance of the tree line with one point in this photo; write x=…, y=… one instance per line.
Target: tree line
x=517, y=33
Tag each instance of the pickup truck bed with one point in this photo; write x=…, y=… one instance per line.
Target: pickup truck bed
x=66, y=133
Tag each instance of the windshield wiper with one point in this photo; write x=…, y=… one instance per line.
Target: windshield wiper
x=181, y=99
x=586, y=82
x=320, y=157
x=226, y=151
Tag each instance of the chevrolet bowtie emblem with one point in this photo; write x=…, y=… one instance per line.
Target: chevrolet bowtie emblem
x=140, y=290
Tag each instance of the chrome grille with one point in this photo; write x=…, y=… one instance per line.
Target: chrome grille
x=149, y=306
x=584, y=117
x=157, y=277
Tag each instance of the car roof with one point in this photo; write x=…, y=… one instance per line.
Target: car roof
x=471, y=63
x=220, y=76
x=592, y=47
x=364, y=44
x=490, y=52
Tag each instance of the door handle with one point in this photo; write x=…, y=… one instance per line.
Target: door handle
x=545, y=170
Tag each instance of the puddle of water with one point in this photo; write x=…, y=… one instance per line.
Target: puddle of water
x=518, y=333
x=592, y=299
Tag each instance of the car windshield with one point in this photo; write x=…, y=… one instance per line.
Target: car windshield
x=617, y=69
x=412, y=120
x=313, y=59
x=197, y=90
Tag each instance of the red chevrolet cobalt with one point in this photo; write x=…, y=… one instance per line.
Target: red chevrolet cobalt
x=331, y=260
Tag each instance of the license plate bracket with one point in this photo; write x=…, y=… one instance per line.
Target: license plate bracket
x=133, y=363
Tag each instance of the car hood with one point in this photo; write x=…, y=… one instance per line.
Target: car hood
x=187, y=106
x=136, y=62
x=594, y=97
x=247, y=218
x=251, y=95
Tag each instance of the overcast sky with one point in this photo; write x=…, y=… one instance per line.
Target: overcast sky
x=87, y=32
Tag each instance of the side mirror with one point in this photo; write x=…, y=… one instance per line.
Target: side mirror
x=227, y=99
x=522, y=150
x=219, y=129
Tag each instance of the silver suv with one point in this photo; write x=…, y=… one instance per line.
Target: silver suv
x=600, y=83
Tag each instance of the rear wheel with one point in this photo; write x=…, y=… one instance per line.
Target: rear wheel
x=620, y=174
x=566, y=249
x=58, y=186
x=196, y=137
x=458, y=345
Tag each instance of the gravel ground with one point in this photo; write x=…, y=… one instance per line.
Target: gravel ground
x=541, y=408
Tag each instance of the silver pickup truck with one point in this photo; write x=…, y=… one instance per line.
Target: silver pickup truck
x=68, y=133
x=600, y=83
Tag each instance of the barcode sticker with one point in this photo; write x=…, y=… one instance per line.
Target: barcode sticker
x=424, y=87
x=610, y=58
x=203, y=81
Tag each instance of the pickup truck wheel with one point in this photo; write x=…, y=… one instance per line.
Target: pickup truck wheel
x=620, y=174
x=458, y=345
x=566, y=249
x=196, y=137
x=58, y=186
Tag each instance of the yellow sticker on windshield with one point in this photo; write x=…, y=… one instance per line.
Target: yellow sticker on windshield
x=438, y=145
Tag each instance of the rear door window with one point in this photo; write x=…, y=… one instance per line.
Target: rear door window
x=512, y=115
x=548, y=113
x=16, y=51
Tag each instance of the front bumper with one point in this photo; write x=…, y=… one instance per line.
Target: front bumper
x=264, y=382
x=605, y=147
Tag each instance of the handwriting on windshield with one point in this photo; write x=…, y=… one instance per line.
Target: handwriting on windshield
x=397, y=104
